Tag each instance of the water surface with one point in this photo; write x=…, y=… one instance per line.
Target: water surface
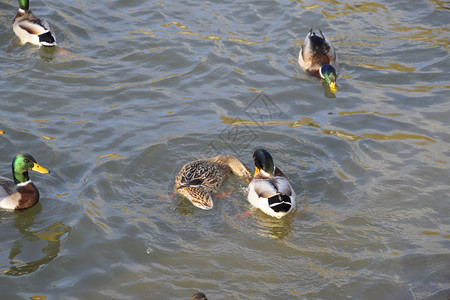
x=147, y=86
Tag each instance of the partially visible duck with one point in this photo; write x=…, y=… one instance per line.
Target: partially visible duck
x=31, y=29
x=198, y=296
x=20, y=193
x=198, y=179
x=269, y=189
x=317, y=57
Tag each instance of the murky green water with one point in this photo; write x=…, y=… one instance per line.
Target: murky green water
x=148, y=86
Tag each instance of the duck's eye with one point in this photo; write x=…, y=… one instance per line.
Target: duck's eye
x=26, y=160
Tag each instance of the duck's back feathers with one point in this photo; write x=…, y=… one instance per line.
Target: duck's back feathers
x=316, y=51
x=269, y=187
x=202, y=173
x=198, y=179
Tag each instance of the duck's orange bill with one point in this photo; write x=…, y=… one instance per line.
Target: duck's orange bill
x=332, y=86
x=40, y=169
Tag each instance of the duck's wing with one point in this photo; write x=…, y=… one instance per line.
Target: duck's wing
x=282, y=185
x=268, y=186
x=7, y=187
x=201, y=173
x=34, y=25
x=329, y=48
x=198, y=195
x=307, y=51
x=265, y=188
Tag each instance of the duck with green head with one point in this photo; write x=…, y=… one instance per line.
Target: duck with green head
x=269, y=189
x=318, y=58
x=21, y=192
x=31, y=29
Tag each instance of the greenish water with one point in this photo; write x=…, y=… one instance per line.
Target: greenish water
x=145, y=87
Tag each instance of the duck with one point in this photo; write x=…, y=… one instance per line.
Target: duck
x=20, y=193
x=31, y=29
x=198, y=296
x=198, y=179
x=318, y=58
x=269, y=190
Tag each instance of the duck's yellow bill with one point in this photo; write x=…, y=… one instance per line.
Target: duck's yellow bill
x=332, y=86
x=40, y=169
x=256, y=171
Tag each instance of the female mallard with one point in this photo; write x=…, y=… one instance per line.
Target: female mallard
x=198, y=179
x=199, y=296
x=31, y=29
x=317, y=57
x=20, y=193
x=269, y=189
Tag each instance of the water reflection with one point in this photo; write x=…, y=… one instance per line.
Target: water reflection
x=276, y=229
x=34, y=248
x=326, y=90
x=256, y=222
x=338, y=133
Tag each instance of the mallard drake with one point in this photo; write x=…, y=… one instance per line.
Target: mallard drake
x=31, y=29
x=269, y=189
x=20, y=193
x=317, y=57
x=198, y=179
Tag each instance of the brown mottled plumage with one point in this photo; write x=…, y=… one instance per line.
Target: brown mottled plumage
x=199, y=296
x=198, y=179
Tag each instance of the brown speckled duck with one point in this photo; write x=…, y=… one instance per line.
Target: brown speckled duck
x=198, y=179
x=20, y=193
x=198, y=296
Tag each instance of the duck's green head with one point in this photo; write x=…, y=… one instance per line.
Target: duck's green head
x=329, y=74
x=263, y=161
x=24, y=4
x=24, y=163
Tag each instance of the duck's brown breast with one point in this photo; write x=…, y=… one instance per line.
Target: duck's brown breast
x=29, y=195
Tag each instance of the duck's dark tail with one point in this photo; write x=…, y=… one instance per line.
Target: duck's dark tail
x=280, y=203
x=47, y=39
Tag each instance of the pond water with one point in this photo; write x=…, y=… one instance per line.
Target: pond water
x=139, y=88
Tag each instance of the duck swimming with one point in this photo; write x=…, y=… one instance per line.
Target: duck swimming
x=198, y=179
x=20, y=193
x=318, y=58
x=31, y=29
x=269, y=189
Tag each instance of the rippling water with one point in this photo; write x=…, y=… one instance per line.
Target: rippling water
x=145, y=87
